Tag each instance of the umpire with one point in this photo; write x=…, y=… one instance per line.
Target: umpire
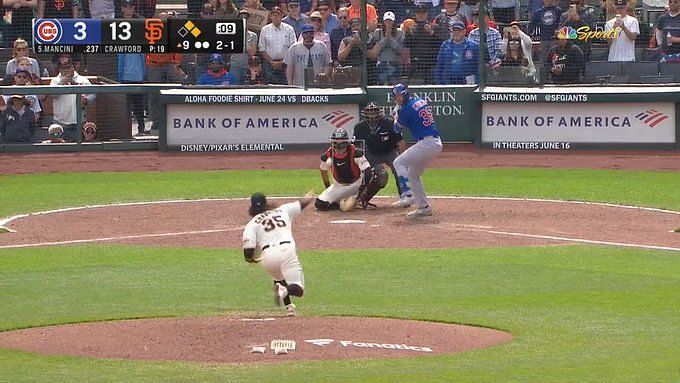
x=382, y=143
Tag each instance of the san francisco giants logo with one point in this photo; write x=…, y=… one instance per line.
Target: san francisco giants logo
x=154, y=30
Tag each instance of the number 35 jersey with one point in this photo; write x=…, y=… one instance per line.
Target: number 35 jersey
x=271, y=227
x=417, y=116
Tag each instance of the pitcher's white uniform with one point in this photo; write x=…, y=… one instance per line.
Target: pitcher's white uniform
x=270, y=233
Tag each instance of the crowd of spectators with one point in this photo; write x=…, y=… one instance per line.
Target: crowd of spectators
x=309, y=42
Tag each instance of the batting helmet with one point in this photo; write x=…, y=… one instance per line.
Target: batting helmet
x=258, y=204
x=401, y=89
x=372, y=113
x=339, y=140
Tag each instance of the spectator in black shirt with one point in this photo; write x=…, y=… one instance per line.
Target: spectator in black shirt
x=564, y=62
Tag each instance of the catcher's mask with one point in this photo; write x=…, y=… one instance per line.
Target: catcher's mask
x=372, y=113
x=258, y=204
x=339, y=140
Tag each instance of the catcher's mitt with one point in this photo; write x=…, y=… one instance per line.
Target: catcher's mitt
x=349, y=203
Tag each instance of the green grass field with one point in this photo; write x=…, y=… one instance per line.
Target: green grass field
x=577, y=313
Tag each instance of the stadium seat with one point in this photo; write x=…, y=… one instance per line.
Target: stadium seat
x=670, y=69
x=642, y=68
x=656, y=79
x=597, y=69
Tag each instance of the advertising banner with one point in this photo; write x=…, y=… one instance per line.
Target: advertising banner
x=534, y=123
x=455, y=108
x=230, y=127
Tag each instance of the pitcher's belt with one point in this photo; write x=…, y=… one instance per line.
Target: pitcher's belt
x=265, y=247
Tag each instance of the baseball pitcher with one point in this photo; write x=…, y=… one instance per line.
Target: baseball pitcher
x=269, y=231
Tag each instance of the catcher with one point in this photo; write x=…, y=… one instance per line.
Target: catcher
x=270, y=231
x=382, y=143
x=352, y=175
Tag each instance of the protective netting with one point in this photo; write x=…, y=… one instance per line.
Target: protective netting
x=435, y=42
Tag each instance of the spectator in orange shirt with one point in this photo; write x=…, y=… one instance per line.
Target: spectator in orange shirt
x=162, y=68
x=371, y=14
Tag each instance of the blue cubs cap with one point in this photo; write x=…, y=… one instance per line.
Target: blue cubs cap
x=399, y=89
x=307, y=28
x=216, y=57
x=457, y=25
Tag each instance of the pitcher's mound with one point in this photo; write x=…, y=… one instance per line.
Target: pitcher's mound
x=232, y=339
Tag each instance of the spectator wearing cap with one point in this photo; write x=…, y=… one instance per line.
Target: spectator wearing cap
x=475, y=18
x=23, y=77
x=307, y=59
x=339, y=33
x=564, y=61
x=238, y=63
x=622, y=46
x=422, y=45
x=458, y=59
x=316, y=21
x=354, y=12
x=667, y=33
x=216, y=74
x=493, y=54
x=226, y=10
x=442, y=23
x=544, y=24
x=64, y=109
x=505, y=11
x=55, y=134
x=329, y=20
x=630, y=7
x=387, y=51
x=275, y=40
x=295, y=19
x=17, y=122
x=89, y=131
x=21, y=50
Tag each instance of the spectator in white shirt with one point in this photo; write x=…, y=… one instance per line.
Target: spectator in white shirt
x=64, y=105
x=622, y=47
x=275, y=40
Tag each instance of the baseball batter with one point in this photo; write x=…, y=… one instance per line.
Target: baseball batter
x=415, y=114
x=347, y=163
x=269, y=231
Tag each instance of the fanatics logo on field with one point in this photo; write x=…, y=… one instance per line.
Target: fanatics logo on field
x=319, y=342
x=651, y=117
x=338, y=118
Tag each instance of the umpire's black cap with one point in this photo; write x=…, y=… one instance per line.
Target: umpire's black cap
x=258, y=203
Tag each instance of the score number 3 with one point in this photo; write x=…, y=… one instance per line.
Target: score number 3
x=120, y=31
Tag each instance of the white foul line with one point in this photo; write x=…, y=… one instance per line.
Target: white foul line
x=104, y=239
x=584, y=240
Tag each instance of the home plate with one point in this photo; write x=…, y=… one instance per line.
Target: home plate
x=348, y=221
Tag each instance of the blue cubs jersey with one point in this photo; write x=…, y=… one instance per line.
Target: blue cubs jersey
x=417, y=116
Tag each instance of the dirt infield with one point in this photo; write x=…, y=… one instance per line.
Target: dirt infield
x=458, y=222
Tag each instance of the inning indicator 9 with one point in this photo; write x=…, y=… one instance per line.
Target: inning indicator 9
x=139, y=36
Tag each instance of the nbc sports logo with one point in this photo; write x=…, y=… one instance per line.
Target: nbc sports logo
x=651, y=117
x=567, y=33
x=319, y=342
x=338, y=118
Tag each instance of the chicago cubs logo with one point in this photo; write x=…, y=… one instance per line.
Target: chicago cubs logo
x=48, y=31
x=469, y=54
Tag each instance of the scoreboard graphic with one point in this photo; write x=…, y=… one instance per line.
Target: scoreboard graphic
x=139, y=36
